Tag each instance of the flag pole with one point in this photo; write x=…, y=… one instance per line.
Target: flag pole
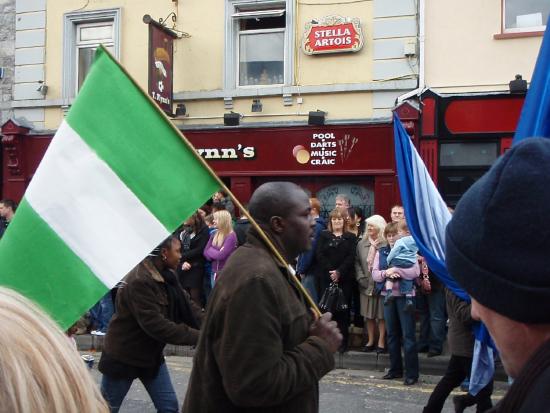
x=253, y=222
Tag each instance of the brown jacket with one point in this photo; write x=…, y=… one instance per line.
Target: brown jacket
x=140, y=327
x=255, y=353
x=460, y=336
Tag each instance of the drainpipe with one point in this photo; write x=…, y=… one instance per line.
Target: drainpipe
x=421, y=81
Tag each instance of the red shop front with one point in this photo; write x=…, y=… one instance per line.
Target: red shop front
x=461, y=136
x=356, y=160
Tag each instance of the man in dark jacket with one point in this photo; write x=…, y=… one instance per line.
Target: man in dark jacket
x=260, y=349
x=306, y=265
x=497, y=248
x=461, y=346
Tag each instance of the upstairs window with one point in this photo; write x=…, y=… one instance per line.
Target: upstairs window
x=258, y=43
x=261, y=47
x=525, y=15
x=83, y=32
x=88, y=37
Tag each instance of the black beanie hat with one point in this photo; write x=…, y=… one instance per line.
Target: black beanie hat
x=498, y=241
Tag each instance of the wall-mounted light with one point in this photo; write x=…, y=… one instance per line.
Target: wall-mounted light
x=518, y=85
x=42, y=88
x=231, y=118
x=181, y=110
x=257, y=105
x=316, y=117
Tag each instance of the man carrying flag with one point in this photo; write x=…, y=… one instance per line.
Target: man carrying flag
x=260, y=349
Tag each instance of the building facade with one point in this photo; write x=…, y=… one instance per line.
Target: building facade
x=468, y=107
x=265, y=90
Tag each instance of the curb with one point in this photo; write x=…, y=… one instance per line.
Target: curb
x=352, y=360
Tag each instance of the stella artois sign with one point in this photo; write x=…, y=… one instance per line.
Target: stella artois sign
x=333, y=34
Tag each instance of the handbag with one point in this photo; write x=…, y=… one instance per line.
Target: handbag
x=333, y=300
x=424, y=280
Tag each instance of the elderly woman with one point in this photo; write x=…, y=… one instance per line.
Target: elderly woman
x=372, y=305
x=400, y=323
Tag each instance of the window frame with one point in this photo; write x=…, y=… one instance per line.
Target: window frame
x=517, y=30
x=233, y=14
x=71, y=21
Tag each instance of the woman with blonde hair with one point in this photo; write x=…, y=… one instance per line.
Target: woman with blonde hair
x=372, y=305
x=40, y=369
x=222, y=243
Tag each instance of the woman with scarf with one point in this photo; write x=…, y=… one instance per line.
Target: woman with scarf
x=372, y=306
x=152, y=310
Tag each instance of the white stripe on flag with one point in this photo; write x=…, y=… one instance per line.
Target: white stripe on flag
x=434, y=213
x=91, y=209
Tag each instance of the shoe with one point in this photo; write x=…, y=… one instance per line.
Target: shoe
x=98, y=333
x=423, y=350
x=391, y=376
x=410, y=382
x=462, y=402
x=388, y=299
x=409, y=306
x=433, y=353
x=342, y=349
x=368, y=349
x=381, y=350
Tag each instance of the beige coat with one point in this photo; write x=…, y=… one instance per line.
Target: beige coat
x=362, y=273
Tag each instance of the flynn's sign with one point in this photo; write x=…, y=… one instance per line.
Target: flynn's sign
x=161, y=64
x=332, y=34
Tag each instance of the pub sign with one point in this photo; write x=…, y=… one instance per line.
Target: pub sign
x=161, y=65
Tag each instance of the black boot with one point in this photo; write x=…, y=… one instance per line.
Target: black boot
x=462, y=402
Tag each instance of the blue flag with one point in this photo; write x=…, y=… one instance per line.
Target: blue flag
x=427, y=217
x=535, y=114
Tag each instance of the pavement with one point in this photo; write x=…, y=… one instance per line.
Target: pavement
x=351, y=360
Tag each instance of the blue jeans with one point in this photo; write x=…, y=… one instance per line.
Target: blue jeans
x=400, y=326
x=432, y=319
x=102, y=312
x=160, y=390
x=311, y=287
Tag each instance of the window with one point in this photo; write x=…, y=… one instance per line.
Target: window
x=468, y=154
x=525, y=15
x=258, y=44
x=83, y=33
x=88, y=37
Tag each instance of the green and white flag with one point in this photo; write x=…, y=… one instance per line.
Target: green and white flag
x=115, y=181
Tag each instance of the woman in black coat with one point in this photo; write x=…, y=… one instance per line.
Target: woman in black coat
x=335, y=254
x=191, y=272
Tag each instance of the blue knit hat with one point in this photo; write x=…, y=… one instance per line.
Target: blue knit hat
x=498, y=241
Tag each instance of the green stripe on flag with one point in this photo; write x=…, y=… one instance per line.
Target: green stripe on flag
x=38, y=264
x=126, y=130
